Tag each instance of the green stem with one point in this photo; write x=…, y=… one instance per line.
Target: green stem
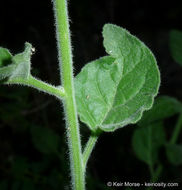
x=151, y=172
x=176, y=131
x=88, y=148
x=151, y=166
x=66, y=68
x=157, y=173
x=39, y=85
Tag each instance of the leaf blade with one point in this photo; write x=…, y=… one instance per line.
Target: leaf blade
x=146, y=142
x=5, y=60
x=17, y=66
x=5, y=56
x=137, y=79
x=157, y=113
x=22, y=60
x=175, y=45
x=91, y=100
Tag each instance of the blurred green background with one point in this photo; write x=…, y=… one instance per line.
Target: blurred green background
x=33, y=149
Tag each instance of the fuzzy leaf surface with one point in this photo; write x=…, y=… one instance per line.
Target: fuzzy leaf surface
x=146, y=142
x=17, y=66
x=175, y=44
x=113, y=91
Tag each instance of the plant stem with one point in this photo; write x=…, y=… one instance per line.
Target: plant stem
x=155, y=176
x=176, y=130
x=151, y=171
x=157, y=173
x=65, y=63
x=40, y=85
x=88, y=148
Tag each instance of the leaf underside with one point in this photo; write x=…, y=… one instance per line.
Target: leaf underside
x=17, y=66
x=113, y=91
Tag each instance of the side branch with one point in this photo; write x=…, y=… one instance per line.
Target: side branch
x=89, y=148
x=39, y=85
x=177, y=130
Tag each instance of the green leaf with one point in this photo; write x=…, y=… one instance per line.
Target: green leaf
x=175, y=44
x=113, y=91
x=5, y=60
x=163, y=107
x=174, y=153
x=146, y=142
x=45, y=140
x=5, y=57
x=18, y=66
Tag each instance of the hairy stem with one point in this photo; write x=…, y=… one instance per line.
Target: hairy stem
x=176, y=130
x=39, y=85
x=89, y=148
x=66, y=68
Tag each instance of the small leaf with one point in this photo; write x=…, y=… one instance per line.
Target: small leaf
x=175, y=44
x=45, y=140
x=113, y=91
x=22, y=60
x=169, y=104
x=5, y=60
x=146, y=142
x=18, y=66
x=174, y=154
x=5, y=57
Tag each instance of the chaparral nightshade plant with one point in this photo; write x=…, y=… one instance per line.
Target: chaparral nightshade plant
x=109, y=93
